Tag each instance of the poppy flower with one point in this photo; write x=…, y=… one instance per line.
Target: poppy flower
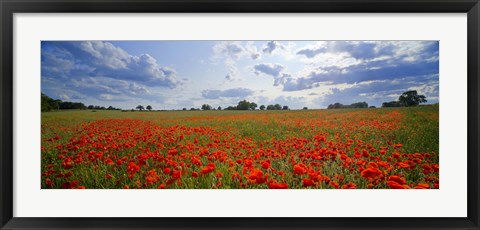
x=277, y=186
x=167, y=170
x=397, y=179
x=371, y=173
x=194, y=174
x=265, y=165
x=350, y=185
x=299, y=169
x=396, y=185
x=422, y=186
x=176, y=174
x=307, y=182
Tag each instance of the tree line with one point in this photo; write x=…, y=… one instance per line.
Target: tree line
x=245, y=105
x=408, y=98
x=351, y=106
x=49, y=104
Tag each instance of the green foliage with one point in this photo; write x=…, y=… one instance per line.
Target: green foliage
x=407, y=99
x=411, y=98
x=351, y=106
x=391, y=104
x=206, y=107
x=49, y=104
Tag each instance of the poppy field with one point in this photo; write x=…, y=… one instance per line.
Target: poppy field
x=384, y=148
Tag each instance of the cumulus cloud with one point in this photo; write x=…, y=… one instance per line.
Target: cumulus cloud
x=228, y=93
x=229, y=49
x=103, y=59
x=312, y=52
x=272, y=46
x=269, y=69
x=356, y=49
x=378, y=91
x=379, y=61
x=230, y=52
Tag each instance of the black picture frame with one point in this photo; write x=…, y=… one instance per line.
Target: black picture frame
x=9, y=7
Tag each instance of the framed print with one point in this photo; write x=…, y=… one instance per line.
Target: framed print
x=227, y=114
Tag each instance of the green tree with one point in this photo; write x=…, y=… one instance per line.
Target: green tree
x=206, y=107
x=140, y=107
x=149, y=107
x=49, y=104
x=262, y=107
x=243, y=105
x=391, y=104
x=253, y=105
x=411, y=98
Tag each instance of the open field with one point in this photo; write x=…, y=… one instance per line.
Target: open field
x=339, y=148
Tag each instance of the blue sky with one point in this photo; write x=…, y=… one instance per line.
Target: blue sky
x=186, y=74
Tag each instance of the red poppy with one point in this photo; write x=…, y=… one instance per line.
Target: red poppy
x=49, y=182
x=371, y=173
x=194, y=174
x=307, y=182
x=422, y=186
x=299, y=169
x=350, y=185
x=265, y=165
x=397, y=179
x=176, y=174
x=396, y=185
x=167, y=170
x=278, y=186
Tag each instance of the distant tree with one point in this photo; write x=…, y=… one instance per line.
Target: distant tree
x=411, y=98
x=391, y=104
x=253, y=105
x=277, y=107
x=285, y=107
x=184, y=109
x=305, y=108
x=91, y=107
x=372, y=107
x=48, y=104
x=219, y=108
x=243, y=105
x=192, y=109
x=206, y=107
x=110, y=108
x=231, y=108
x=140, y=107
x=71, y=105
x=262, y=107
x=336, y=106
x=149, y=107
x=359, y=105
